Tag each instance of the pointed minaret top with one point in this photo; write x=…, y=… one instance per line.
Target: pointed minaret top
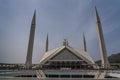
x=34, y=18
x=47, y=44
x=97, y=16
x=84, y=43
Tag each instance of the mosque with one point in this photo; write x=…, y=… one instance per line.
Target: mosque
x=67, y=55
x=66, y=62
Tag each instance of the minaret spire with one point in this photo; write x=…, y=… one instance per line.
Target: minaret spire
x=84, y=43
x=31, y=43
x=47, y=44
x=103, y=51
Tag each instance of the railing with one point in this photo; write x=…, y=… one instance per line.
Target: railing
x=22, y=66
x=53, y=79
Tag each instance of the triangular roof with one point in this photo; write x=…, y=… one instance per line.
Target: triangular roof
x=82, y=54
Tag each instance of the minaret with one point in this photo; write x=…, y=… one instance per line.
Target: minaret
x=47, y=44
x=84, y=43
x=31, y=42
x=103, y=51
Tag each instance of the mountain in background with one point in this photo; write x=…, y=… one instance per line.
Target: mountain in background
x=114, y=58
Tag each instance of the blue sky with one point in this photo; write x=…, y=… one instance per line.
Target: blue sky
x=61, y=19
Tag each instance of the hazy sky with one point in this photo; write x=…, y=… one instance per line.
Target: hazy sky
x=61, y=19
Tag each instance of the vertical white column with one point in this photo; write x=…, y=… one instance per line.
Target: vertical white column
x=31, y=43
x=103, y=51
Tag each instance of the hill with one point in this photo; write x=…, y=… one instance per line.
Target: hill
x=114, y=58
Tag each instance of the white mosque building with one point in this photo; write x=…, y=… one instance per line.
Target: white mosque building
x=66, y=62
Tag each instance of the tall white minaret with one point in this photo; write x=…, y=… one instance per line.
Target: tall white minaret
x=31, y=43
x=84, y=43
x=47, y=44
x=104, y=59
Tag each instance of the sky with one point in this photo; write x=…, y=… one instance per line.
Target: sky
x=60, y=19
